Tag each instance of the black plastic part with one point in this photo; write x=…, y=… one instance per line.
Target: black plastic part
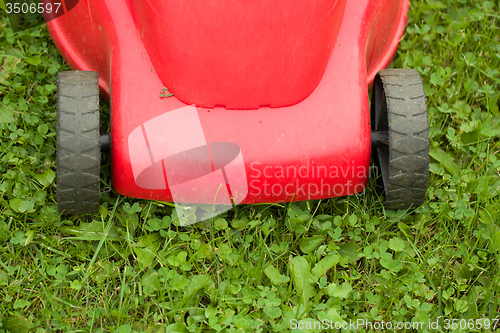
x=399, y=109
x=380, y=138
x=78, y=151
x=105, y=143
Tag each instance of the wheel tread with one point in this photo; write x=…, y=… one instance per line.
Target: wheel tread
x=78, y=151
x=408, y=138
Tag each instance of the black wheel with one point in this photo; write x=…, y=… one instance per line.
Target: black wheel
x=400, y=137
x=78, y=151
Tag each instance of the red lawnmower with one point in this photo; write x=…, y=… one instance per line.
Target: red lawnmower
x=231, y=101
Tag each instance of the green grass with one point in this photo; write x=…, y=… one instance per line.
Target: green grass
x=132, y=269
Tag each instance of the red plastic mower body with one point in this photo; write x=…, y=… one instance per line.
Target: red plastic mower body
x=275, y=93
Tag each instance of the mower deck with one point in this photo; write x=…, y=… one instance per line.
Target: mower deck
x=318, y=148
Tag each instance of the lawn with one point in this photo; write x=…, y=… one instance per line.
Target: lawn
x=263, y=268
